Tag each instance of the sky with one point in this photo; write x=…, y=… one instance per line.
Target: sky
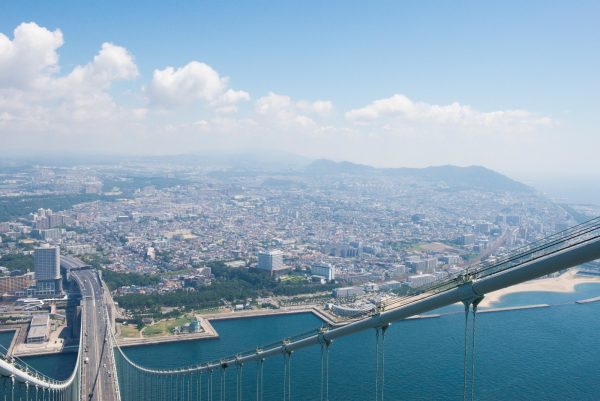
x=511, y=85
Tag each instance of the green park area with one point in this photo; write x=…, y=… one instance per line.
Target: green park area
x=165, y=327
x=129, y=331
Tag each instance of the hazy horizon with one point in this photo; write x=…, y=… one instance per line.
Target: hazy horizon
x=563, y=189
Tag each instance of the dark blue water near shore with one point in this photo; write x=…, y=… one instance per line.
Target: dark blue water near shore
x=536, y=354
x=5, y=339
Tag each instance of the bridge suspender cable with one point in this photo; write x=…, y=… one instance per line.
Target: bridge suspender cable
x=475, y=303
x=208, y=386
x=322, y=370
x=383, y=330
x=239, y=381
x=289, y=361
x=467, y=306
x=324, y=363
x=470, y=304
x=380, y=361
x=284, y=378
x=287, y=375
x=190, y=380
x=259, y=383
x=199, y=387
x=223, y=377
x=325, y=369
x=327, y=344
x=377, y=363
x=258, y=364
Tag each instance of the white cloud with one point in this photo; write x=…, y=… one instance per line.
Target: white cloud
x=232, y=96
x=404, y=109
x=320, y=107
x=5, y=117
x=37, y=101
x=193, y=82
x=112, y=63
x=29, y=66
x=228, y=101
x=280, y=110
x=283, y=111
x=76, y=109
x=273, y=103
x=29, y=56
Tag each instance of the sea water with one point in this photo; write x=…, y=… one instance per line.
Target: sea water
x=534, y=354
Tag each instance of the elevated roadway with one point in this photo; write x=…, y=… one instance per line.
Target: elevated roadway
x=98, y=378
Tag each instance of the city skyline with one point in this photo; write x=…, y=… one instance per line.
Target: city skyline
x=388, y=85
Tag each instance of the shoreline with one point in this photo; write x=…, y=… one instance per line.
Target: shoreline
x=565, y=283
x=514, y=308
x=269, y=312
x=16, y=329
x=210, y=332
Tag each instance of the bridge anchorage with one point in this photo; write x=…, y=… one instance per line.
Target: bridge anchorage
x=568, y=248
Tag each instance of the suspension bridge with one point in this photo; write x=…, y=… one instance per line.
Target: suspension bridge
x=109, y=374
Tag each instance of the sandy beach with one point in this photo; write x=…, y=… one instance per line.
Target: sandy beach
x=564, y=283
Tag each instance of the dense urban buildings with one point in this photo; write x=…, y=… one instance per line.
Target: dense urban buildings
x=361, y=229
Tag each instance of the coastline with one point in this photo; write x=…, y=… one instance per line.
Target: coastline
x=210, y=332
x=269, y=312
x=16, y=329
x=565, y=283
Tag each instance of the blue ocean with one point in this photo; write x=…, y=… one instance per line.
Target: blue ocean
x=533, y=354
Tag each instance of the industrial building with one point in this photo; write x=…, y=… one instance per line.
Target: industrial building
x=39, y=329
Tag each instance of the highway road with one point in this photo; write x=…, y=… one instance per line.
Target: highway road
x=97, y=375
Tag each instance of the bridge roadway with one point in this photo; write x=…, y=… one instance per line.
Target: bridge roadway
x=98, y=378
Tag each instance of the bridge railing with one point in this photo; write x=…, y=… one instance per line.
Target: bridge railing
x=23, y=378
x=560, y=241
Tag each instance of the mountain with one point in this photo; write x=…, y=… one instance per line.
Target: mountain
x=324, y=166
x=450, y=177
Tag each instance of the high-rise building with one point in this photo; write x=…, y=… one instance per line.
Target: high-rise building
x=46, y=262
x=513, y=220
x=270, y=260
x=55, y=220
x=325, y=270
x=467, y=239
x=51, y=234
x=272, y=263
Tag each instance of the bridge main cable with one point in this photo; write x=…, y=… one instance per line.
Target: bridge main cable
x=576, y=247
